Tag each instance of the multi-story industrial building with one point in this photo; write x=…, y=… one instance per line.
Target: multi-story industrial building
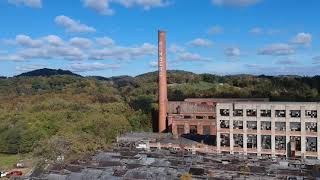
x=251, y=126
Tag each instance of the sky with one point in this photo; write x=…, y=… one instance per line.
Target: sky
x=119, y=37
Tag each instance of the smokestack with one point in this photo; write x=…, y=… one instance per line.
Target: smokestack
x=162, y=80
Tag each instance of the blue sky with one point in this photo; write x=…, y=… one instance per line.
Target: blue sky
x=119, y=37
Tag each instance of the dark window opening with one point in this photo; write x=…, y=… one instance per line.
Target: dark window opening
x=193, y=129
x=266, y=142
x=225, y=140
x=238, y=112
x=311, y=144
x=237, y=124
x=311, y=113
x=187, y=117
x=224, y=112
x=199, y=117
x=265, y=113
x=280, y=113
x=224, y=124
x=251, y=141
x=280, y=143
x=238, y=140
x=251, y=112
x=210, y=117
x=295, y=113
x=265, y=125
x=206, y=130
x=280, y=126
x=311, y=127
x=295, y=126
x=252, y=125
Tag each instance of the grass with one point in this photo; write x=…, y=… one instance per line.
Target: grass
x=8, y=161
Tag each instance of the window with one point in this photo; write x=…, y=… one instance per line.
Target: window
x=224, y=124
x=265, y=113
x=238, y=112
x=187, y=117
x=180, y=129
x=280, y=126
x=251, y=141
x=265, y=125
x=206, y=130
x=266, y=142
x=210, y=117
x=252, y=125
x=295, y=143
x=238, y=140
x=311, y=144
x=295, y=113
x=311, y=113
x=224, y=112
x=311, y=127
x=280, y=113
x=280, y=143
x=295, y=126
x=193, y=129
x=251, y=112
x=199, y=117
x=225, y=140
x=237, y=124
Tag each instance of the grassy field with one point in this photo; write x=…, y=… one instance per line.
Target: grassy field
x=7, y=161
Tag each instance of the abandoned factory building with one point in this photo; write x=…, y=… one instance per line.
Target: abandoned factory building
x=249, y=126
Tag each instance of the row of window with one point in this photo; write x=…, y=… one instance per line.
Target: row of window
x=280, y=142
x=267, y=113
x=266, y=125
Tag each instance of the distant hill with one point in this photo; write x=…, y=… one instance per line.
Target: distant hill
x=47, y=73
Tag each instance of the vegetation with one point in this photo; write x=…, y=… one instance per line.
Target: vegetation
x=53, y=113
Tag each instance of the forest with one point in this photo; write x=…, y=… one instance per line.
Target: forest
x=48, y=114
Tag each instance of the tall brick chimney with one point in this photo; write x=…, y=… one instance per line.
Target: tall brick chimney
x=163, y=100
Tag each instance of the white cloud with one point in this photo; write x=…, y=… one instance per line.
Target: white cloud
x=54, y=40
x=105, y=41
x=241, y=3
x=191, y=57
x=200, y=43
x=26, y=68
x=302, y=39
x=24, y=40
x=29, y=3
x=103, y=6
x=256, y=30
x=123, y=53
x=261, y=31
x=73, y=25
x=233, y=52
x=316, y=60
x=174, y=48
x=288, y=61
x=279, y=49
x=96, y=66
x=11, y=57
x=80, y=42
x=153, y=64
x=215, y=30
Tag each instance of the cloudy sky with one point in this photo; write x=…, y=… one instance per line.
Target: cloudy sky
x=119, y=37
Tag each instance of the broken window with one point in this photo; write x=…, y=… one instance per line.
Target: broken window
x=297, y=142
x=252, y=125
x=251, y=112
x=266, y=141
x=238, y=112
x=225, y=140
x=295, y=126
x=280, y=142
x=187, y=117
x=251, y=141
x=224, y=124
x=280, y=126
x=265, y=113
x=180, y=129
x=295, y=113
x=224, y=112
x=238, y=140
x=265, y=125
x=206, y=130
x=280, y=113
x=193, y=129
x=311, y=113
x=237, y=124
x=311, y=144
x=199, y=117
x=311, y=126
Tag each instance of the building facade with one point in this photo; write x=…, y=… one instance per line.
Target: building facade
x=251, y=126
